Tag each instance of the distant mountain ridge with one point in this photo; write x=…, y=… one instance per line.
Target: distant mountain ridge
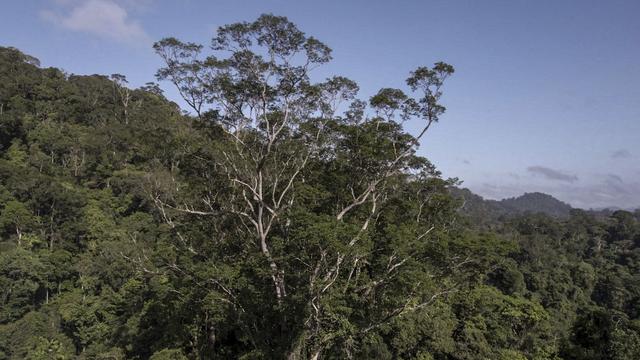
x=477, y=207
x=537, y=202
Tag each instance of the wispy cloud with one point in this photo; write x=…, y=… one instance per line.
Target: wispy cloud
x=621, y=154
x=614, y=185
x=611, y=190
x=551, y=174
x=103, y=18
x=614, y=178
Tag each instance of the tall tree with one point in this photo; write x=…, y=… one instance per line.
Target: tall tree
x=305, y=182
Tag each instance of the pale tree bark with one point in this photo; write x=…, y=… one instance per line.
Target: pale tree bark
x=263, y=174
x=261, y=98
x=323, y=278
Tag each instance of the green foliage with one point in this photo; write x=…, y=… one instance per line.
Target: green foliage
x=35, y=336
x=22, y=282
x=285, y=218
x=168, y=354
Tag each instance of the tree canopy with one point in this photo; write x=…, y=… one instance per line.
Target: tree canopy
x=281, y=216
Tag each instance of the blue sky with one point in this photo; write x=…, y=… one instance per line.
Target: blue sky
x=546, y=94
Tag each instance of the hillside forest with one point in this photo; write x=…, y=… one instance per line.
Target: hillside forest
x=281, y=216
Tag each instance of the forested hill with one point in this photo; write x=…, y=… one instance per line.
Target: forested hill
x=478, y=208
x=131, y=230
x=537, y=202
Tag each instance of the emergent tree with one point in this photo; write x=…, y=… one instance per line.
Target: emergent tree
x=306, y=185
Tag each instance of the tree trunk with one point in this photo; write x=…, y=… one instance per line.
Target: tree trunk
x=299, y=350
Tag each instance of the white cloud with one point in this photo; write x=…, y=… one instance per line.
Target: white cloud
x=103, y=18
